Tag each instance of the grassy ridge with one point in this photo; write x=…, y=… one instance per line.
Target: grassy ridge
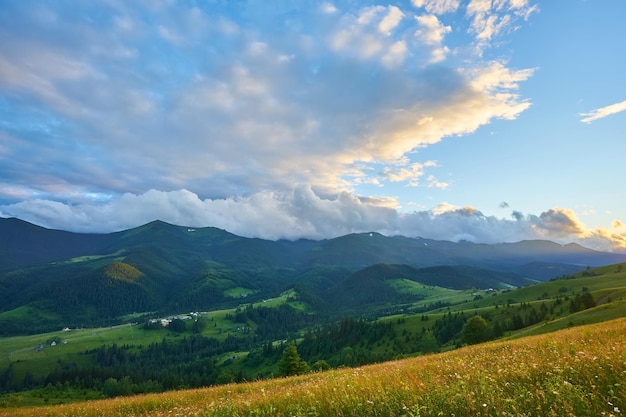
x=574, y=372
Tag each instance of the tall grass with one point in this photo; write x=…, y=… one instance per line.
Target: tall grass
x=575, y=372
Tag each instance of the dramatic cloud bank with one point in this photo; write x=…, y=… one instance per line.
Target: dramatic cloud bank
x=304, y=214
x=104, y=98
x=272, y=119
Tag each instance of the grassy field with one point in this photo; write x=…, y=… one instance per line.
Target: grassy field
x=574, y=372
x=238, y=292
x=610, y=283
x=431, y=294
x=608, y=286
x=599, y=314
x=23, y=351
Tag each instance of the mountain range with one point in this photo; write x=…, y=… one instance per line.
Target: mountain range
x=48, y=276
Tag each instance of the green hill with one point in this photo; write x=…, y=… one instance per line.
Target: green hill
x=572, y=372
x=63, y=276
x=402, y=317
x=23, y=244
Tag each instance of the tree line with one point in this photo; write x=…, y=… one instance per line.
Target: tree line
x=191, y=361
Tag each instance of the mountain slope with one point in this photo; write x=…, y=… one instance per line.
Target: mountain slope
x=375, y=284
x=23, y=243
x=160, y=266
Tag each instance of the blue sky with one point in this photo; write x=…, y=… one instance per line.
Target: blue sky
x=485, y=120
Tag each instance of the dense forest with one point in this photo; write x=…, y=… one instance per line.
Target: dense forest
x=192, y=360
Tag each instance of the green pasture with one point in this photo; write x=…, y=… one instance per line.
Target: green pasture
x=239, y=292
x=108, y=258
x=407, y=286
x=28, y=311
x=612, y=284
x=39, y=353
x=288, y=297
x=604, y=312
x=431, y=294
x=569, y=373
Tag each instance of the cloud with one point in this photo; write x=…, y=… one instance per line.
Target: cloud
x=492, y=18
x=303, y=213
x=261, y=120
x=199, y=102
x=410, y=173
x=603, y=112
x=431, y=32
x=391, y=20
x=329, y=8
x=435, y=183
x=437, y=6
x=270, y=215
x=558, y=223
x=366, y=35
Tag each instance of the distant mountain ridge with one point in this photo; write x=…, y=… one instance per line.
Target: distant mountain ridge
x=159, y=266
x=23, y=243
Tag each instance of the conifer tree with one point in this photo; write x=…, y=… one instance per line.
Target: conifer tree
x=290, y=363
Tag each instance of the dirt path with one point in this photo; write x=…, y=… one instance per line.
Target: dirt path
x=604, y=298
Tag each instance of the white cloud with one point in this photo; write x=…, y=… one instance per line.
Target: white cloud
x=302, y=213
x=367, y=35
x=603, y=112
x=410, y=173
x=391, y=20
x=329, y=8
x=202, y=103
x=435, y=183
x=431, y=31
x=490, y=18
x=437, y=6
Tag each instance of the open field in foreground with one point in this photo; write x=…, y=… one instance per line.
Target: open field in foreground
x=575, y=372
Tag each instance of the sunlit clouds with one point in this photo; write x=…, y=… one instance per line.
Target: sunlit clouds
x=302, y=213
x=491, y=18
x=200, y=101
x=270, y=119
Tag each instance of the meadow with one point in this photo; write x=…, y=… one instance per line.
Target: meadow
x=574, y=372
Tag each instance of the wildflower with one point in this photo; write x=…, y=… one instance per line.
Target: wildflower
x=616, y=409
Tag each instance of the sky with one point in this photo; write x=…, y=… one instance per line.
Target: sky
x=483, y=120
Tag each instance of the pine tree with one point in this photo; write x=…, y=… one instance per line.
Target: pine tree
x=290, y=363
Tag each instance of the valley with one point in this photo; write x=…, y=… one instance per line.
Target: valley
x=170, y=309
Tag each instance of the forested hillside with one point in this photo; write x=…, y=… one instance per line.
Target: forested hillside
x=248, y=342
x=52, y=279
